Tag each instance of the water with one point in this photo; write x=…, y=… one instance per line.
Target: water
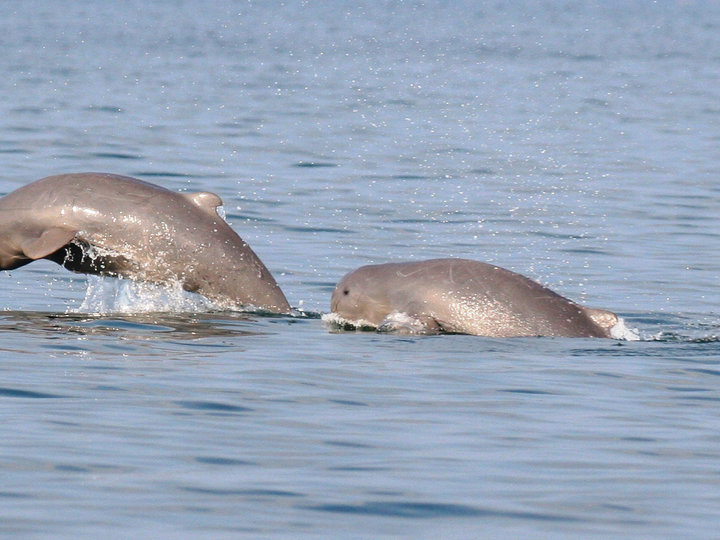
x=576, y=143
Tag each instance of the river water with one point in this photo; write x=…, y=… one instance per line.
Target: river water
x=575, y=143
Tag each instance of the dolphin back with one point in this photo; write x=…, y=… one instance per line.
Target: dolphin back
x=108, y=224
x=465, y=296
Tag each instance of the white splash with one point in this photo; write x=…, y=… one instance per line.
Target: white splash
x=622, y=332
x=395, y=322
x=116, y=295
x=335, y=322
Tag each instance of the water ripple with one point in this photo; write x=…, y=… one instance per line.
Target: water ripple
x=420, y=510
x=19, y=393
x=213, y=407
x=314, y=164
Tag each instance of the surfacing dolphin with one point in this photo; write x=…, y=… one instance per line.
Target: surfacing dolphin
x=114, y=225
x=463, y=296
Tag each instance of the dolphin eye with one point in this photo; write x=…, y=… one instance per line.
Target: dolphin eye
x=346, y=292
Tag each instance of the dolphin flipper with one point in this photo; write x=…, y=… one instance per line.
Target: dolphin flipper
x=51, y=240
x=403, y=323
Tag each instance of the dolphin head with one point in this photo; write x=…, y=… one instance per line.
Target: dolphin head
x=360, y=296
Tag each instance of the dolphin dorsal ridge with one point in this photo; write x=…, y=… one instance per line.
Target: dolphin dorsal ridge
x=205, y=200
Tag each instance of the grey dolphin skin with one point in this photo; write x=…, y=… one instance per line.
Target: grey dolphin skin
x=464, y=296
x=119, y=226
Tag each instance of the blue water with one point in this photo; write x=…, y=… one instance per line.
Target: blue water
x=576, y=143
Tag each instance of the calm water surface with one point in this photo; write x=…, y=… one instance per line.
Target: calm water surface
x=576, y=143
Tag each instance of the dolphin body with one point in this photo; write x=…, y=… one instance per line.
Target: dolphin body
x=462, y=296
x=114, y=225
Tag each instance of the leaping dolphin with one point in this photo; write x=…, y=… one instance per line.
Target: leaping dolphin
x=463, y=296
x=107, y=224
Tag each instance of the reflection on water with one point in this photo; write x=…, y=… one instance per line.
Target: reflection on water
x=140, y=326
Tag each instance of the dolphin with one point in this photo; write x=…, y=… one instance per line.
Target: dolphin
x=462, y=296
x=107, y=224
